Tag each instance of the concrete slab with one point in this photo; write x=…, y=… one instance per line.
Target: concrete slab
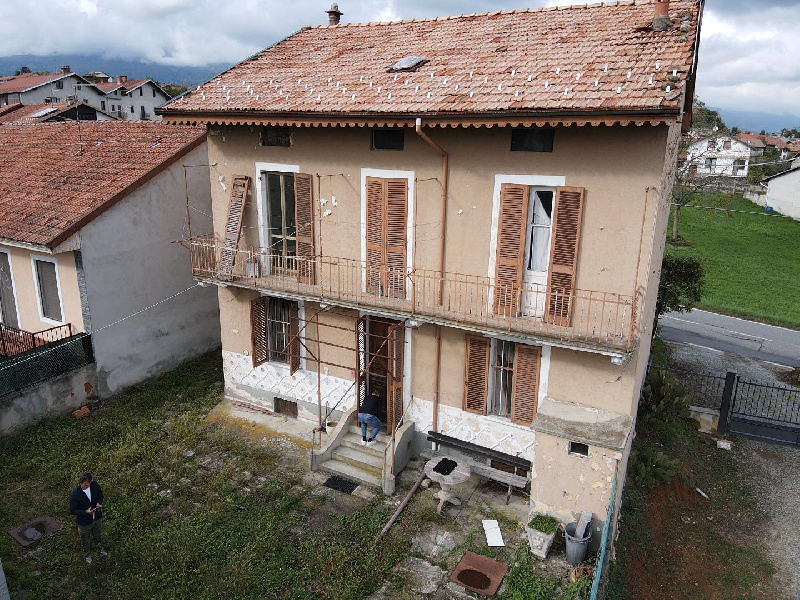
x=584, y=424
x=420, y=576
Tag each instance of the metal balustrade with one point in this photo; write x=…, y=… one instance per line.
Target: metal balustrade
x=595, y=319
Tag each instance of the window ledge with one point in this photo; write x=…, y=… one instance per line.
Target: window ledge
x=581, y=423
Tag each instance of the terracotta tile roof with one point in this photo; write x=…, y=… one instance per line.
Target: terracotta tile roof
x=598, y=58
x=794, y=146
x=108, y=86
x=765, y=140
x=28, y=113
x=135, y=83
x=51, y=184
x=752, y=140
x=27, y=81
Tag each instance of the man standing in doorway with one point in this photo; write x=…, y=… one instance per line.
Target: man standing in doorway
x=368, y=415
x=86, y=503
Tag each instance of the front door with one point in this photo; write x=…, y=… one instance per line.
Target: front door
x=381, y=365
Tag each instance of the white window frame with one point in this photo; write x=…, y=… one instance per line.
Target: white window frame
x=261, y=195
x=13, y=286
x=54, y=260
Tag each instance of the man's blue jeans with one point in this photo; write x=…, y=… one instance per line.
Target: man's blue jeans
x=372, y=421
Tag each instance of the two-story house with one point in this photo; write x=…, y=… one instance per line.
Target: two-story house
x=465, y=215
x=134, y=100
x=90, y=213
x=33, y=88
x=718, y=156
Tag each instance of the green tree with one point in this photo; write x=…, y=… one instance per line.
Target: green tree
x=735, y=130
x=705, y=118
x=681, y=285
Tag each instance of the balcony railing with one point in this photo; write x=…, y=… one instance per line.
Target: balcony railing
x=14, y=341
x=592, y=319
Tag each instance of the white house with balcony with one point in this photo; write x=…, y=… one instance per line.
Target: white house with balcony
x=719, y=156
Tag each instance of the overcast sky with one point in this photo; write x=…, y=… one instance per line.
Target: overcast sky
x=749, y=55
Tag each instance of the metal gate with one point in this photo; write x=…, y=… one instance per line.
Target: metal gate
x=763, y=411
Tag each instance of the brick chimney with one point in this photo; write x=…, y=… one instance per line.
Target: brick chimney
x=122, y=79
x=334, y=14
x=661, y=20
x=65, y=69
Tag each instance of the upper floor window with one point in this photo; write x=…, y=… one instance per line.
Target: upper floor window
x=154, y=92
x=59, y=85
x=388, y=139
x=726, y=145
x=47, y=288
x=141, y=91
x=8, y=300
x=532, y=139
x=276, y=136
x=539, y=224
x=281, y=225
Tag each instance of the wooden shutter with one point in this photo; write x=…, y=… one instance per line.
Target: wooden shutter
x=564, y=254
x=511, y=232
x=233, y=227
x=304, y=223
x=525, y=398
x=258, y=327
x=395, y=235
x=395, y=372
x=375, y=228
x=476, y=379
x=294, y=340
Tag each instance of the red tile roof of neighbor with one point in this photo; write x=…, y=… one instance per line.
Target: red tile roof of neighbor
x=602, y=58
x=24, y=113
x=108, y=86
x=27, y=81
x=55, y=178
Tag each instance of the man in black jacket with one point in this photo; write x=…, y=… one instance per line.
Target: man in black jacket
x=368, y=415
x=86, y=503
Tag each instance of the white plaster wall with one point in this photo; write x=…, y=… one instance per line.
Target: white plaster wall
x=491, y=432
x=258, y=385
x=146, y=99
x=783, y=194
x=131, y=263
x=700, y=150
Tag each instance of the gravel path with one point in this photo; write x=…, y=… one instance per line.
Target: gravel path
x=772, y=471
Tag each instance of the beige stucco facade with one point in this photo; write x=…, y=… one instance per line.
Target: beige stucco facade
x=26, y=292
x=626, y=172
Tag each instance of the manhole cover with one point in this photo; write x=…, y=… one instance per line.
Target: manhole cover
x=445, y=466
x=479, y=573
x=35, y=530
x=341, y=484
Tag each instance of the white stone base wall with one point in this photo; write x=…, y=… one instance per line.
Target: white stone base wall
x=495, y=433
x=259, y=385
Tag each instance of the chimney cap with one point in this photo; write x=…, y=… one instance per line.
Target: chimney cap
x=334, y=14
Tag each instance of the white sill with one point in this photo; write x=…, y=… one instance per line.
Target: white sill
x=51, y=322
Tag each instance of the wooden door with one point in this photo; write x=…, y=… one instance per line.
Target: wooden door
x=387, y=218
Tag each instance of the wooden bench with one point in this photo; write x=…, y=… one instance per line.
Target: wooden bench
x=481, y=469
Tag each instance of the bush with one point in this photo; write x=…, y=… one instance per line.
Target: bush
x=651, y=467
x=663, y=401
x=544, y=523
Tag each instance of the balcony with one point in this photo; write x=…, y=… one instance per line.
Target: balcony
x=15, y=341
x=600, y=322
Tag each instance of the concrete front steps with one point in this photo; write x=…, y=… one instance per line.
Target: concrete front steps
x=353, y=461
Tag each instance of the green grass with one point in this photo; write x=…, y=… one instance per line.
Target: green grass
x=752, y=262
x=208, y=537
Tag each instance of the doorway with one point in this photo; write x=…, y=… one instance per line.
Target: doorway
x=380, y=363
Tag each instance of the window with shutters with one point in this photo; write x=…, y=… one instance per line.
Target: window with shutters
x=48, y=289
x=275, y=324
x=502, y=378
x=386, y=236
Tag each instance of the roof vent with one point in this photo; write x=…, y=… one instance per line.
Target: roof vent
x=408, y=63
x=334, y=14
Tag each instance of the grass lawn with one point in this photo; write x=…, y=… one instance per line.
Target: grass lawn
x=752, y=262
x=192, y=510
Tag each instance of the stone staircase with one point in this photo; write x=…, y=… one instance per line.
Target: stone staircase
x=355, y=462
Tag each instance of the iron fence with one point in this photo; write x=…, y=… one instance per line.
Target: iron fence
x=772, y=402
x=27, y=369
x=705, y=389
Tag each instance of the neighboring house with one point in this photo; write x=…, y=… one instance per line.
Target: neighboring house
x=466, y=215
x=720, y=156
x=766, y=141
x=22, y=114
x=133, y=100
x=783, y=192
x=31, y=88
x=89, y=215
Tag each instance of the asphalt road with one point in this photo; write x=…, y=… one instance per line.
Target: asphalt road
x=720, y=333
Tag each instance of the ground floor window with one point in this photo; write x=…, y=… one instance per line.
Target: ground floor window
x=275, y=327
x=278, y=324
x=502, y=378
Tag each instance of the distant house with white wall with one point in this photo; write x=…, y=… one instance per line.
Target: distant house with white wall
x=134, y=100
x=86, y=241
x=719, y=156
x=783, y=192
x=25, y=114
x=32, y=88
